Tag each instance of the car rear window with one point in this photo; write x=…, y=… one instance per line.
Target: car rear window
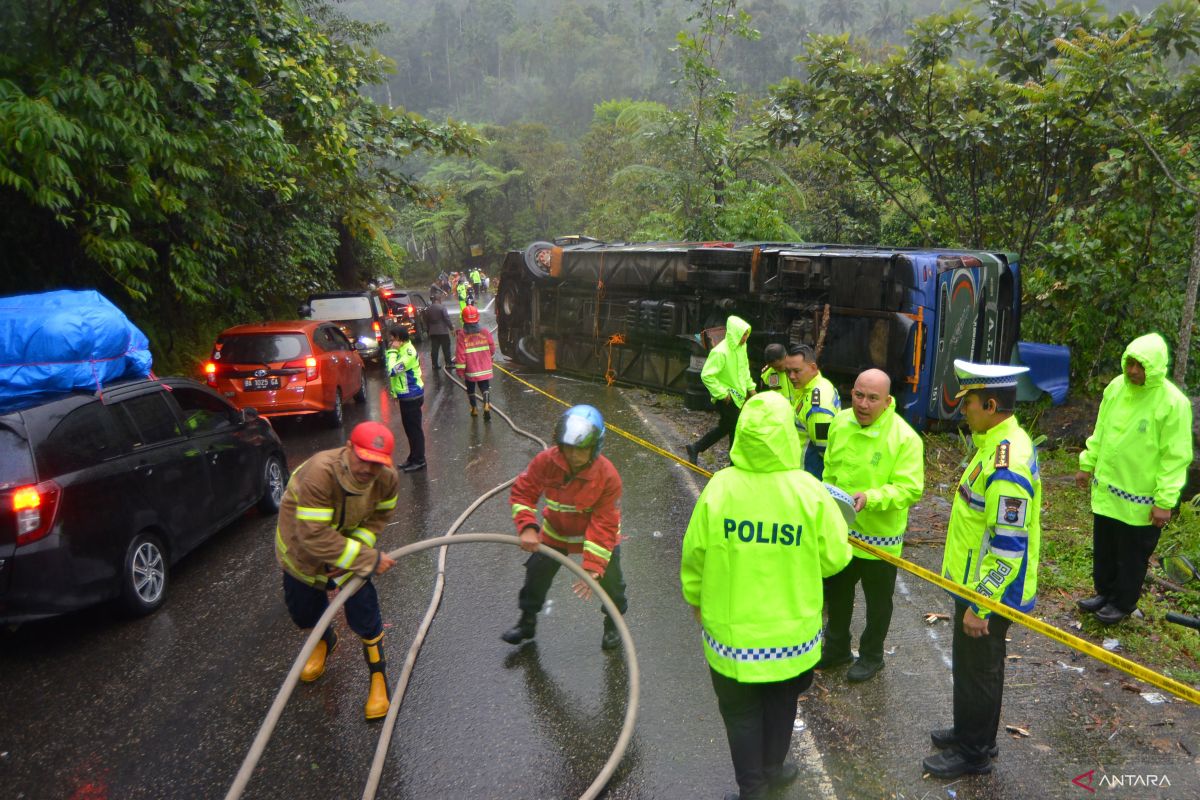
x=83, y=439
x=16, y=462
x=262, y=348
x=335, y=308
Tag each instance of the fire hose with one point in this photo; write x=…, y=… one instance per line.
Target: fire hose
x=267, y=728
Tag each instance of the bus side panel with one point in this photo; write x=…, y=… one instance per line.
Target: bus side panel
x=954, y=331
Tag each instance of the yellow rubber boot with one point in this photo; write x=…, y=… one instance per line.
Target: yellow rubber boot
x=377, y=699
x=474, y=411
x=315, y=666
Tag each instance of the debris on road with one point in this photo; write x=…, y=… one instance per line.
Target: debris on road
x=1112, y=645
x=1017, y=731
x=932, y=617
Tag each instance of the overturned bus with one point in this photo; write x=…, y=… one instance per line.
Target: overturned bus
x=645, y=314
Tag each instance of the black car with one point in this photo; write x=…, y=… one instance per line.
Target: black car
x=360, y=315
x=101, y=492
x=408, y=309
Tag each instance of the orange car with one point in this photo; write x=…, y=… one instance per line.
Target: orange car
x=283, y=368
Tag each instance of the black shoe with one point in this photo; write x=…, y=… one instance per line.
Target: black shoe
x=1111, y=615
x=612, y=637
x=952, y=764
x=525, y=628
x=831, y=660
x=944, y=738
x=863, y=670
x=693, y=454
x=1092, y=603
x=782, y=775
x=413, y=466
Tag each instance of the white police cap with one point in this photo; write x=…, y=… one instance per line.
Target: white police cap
x=973, y=376
x=845, y=502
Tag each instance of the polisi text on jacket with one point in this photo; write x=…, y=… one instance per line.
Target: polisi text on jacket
x=752, y=532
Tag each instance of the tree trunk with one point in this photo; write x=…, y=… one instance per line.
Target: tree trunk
x=1189, y=306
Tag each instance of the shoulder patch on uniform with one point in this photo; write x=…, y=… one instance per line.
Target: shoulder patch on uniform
x=816, y=397
x=975, y=473
x=1001, y=461
x=773, y=380
x=1010, y=511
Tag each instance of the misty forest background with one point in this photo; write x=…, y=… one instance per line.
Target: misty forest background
x=205, y=162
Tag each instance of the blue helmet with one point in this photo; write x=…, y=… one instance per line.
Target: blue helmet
x=580, y=426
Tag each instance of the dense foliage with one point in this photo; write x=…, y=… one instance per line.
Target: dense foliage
x=208, y=158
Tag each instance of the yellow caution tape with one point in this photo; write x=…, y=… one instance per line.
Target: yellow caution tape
x=1181, y=690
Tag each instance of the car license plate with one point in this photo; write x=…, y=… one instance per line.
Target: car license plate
x=261, y=384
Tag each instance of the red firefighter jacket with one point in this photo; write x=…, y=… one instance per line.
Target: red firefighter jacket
x=473, y=354
x=582, y=513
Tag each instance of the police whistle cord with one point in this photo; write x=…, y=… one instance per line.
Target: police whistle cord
x=1138, y=671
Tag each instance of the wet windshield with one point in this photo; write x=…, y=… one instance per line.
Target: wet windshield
x=341, y=308
x=263, y=348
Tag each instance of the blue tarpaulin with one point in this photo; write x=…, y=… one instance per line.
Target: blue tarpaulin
x=1049, y=370
x=64, y=340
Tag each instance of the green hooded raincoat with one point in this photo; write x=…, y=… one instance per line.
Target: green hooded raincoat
x=726, y=371
x=762, y=536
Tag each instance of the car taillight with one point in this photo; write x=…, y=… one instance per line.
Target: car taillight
x=210, y=373
x=378, y=333
x=408, y=310
x=311, y=370
x=34, y=508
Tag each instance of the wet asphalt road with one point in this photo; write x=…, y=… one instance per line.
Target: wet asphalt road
x=93, y=706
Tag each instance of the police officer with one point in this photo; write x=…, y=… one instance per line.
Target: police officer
x=334, y=508
x=817, y=403
x=405, y=384
x=761, y=537
x=879, y=460
x=582, y=515
x=726, y=375
x=992, y=546
x=1136, y=463
x=773, y=375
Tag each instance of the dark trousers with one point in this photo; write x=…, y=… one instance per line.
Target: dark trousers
x=978, y=684
x=306, y=604
x=540, y=571
x=1120, y=557
x=878, y=582
x=410, y=417
x=440, y=342
x=759, y=718
x=484, y=387
x=726, y=423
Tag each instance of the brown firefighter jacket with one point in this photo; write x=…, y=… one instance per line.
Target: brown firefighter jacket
x=328, y=523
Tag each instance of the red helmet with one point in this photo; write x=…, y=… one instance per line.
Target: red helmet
x=470, y=314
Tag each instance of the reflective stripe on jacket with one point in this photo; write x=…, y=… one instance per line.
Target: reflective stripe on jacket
x=328, y=523
x=473, y=354
x=760, y=540
x=1141, y=448
x=582, y=512
x=995, y=530
x=886, y=462
x=726, y=370
x=817, y=403
x=404, y=372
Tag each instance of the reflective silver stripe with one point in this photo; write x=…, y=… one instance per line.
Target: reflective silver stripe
x=346, y=559
x=387, y=505
x=761, y=653
x=549, y=531
x=478, y=349
x=310, y=514
x=878, y=541
x=554, y=505
x=477, y=374
x=363, y=535
x=517, y=508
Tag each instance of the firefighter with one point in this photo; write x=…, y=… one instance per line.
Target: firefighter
x=474, y=350
x=335, y=507
x=761, y=537
x=817, y=403
x=992, y=546
x=582, y=514
x=875, y=457
x=405, y=384
x=726, y=375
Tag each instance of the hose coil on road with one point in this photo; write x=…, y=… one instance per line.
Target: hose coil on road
x=267, y=728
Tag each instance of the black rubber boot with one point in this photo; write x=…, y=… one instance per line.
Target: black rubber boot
x=612, y=637
x=525, y=628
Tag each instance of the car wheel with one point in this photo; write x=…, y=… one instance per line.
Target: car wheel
x=144, y=576
x=361, y=395
x=275, y=478
x=336, y=415
x=537, y=263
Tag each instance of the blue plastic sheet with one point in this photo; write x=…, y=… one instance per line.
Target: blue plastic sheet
x=1049, y=370
x=64, y=340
